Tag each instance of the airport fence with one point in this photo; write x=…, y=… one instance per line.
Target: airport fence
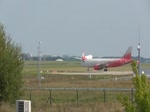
x=76, y=96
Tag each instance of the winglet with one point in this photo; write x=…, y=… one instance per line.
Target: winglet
x=128, y=53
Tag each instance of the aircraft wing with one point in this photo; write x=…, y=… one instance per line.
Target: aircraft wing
x=78, y=58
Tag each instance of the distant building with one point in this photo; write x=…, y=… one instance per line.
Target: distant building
x=59, y=60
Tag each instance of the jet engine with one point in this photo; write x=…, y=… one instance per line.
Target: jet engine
x=98, y=67
x=89, y=57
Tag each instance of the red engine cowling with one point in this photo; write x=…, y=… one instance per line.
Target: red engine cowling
x=97, y=67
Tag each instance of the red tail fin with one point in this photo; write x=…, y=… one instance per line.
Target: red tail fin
x=128, y=53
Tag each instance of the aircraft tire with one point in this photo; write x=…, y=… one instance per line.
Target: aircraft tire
x=105, y=69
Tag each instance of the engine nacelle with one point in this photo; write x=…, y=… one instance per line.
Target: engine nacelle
x=97, y=67
x=89, y=57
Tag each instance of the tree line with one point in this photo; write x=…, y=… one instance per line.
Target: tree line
x=27, y=56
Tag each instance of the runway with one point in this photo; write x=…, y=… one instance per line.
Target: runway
x=96, y=73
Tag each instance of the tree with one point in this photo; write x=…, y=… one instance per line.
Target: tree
x=142, y=94
x=11, y=66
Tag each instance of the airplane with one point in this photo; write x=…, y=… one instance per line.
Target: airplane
x=104, y=63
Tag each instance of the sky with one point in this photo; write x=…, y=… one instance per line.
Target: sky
x=69, y=27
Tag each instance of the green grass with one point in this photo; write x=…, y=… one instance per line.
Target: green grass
x=31, y=67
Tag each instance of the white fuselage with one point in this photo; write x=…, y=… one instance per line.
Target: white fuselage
x=100, y=61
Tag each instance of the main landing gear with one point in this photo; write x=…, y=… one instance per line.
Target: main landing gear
x=105, y=69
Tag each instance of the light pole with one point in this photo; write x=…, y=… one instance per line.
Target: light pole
x=139, y=59
x=39, y=63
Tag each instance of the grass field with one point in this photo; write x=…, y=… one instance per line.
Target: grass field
x=68, y=101
x=31, y=68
